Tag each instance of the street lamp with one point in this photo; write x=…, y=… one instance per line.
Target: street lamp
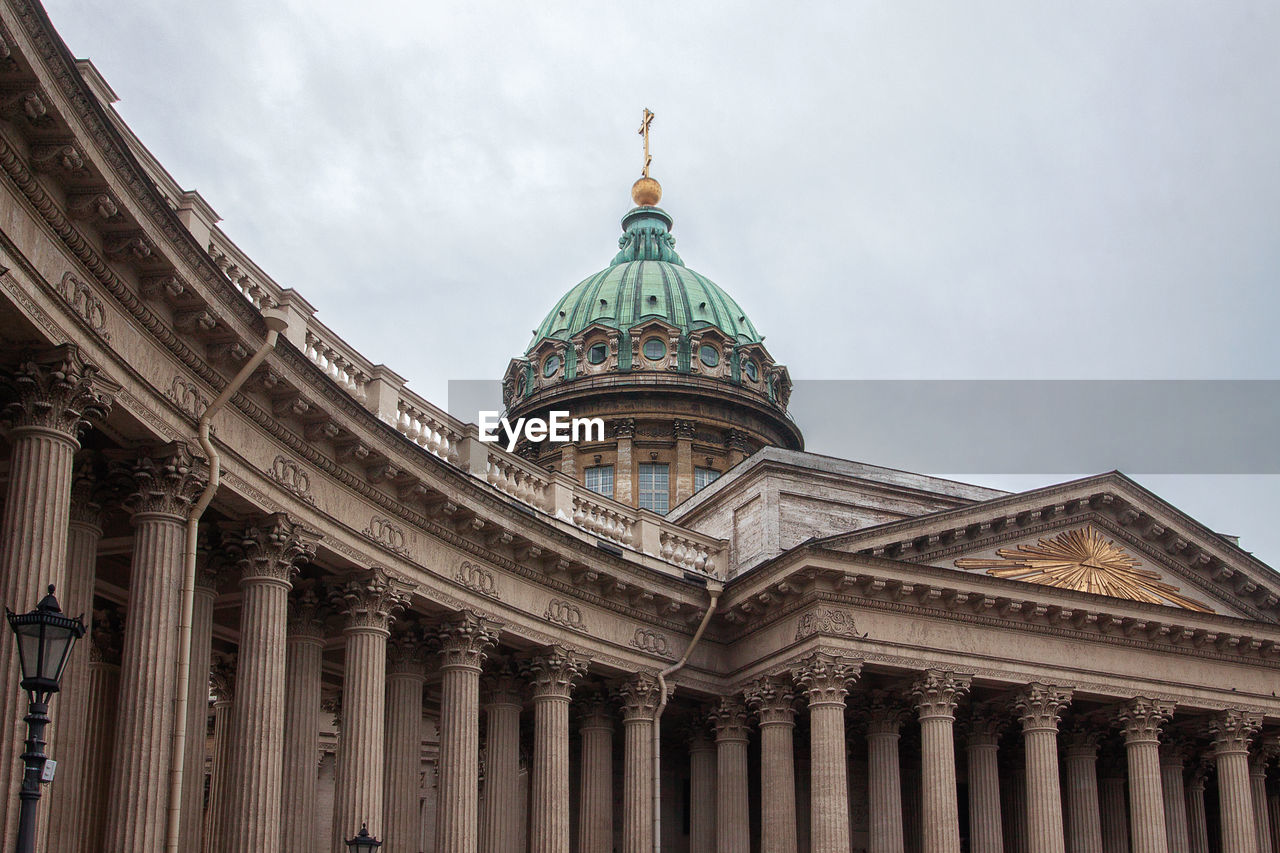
x=363, y=842
x=45, y=638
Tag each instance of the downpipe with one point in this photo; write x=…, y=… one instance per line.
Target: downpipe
x=276, y=323
x=714, y=588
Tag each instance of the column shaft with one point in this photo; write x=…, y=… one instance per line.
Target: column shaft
x=358, y=797
x=499, y=825
x=257, y=757
x=100, y=734
x=1258, y=792
x=733, y=820
x=639, y=702
x=773, y=701
x=1115, y=815
x=595, y=796
x=936, y=694
x=67, y=804
x=1039, y=707
x=465, y=640
x=406, y=678
x=986, y=833
x=702, y=795
x=304, y=650
x=1197, y=819
x=1233, y=731
x=1175, y=800
x=217, y=815
x=825, y=681
x=1084, y=819
x=552, y=675
x=884, y=787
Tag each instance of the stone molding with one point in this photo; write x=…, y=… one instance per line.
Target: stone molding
x=407, y=652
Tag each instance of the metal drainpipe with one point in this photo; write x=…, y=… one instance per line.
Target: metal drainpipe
x=714, y=588
x=276, y=323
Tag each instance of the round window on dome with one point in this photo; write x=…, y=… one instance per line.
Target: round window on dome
x=654, y=349
x=551, y=366
x=753, y=372
x=597, y=353
x=709, y=355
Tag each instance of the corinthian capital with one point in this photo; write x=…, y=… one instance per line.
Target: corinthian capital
x=407, y=652
x=308, y=609
x=163, y=480
x=773, y=700
x=825, y=678
x=88, y=488
x=271, y=548
x=1142, y=718
x=1233, y=731
x=371, y=599
x=937, y=692
x=554, y=672
x=1040, y=705
x=465, y=639
x=57, y=389
x=639, y=695
x=731, y=719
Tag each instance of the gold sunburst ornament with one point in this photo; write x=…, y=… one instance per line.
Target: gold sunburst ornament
x=1087, y=561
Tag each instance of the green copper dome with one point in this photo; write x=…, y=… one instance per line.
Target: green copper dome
x=646, y=281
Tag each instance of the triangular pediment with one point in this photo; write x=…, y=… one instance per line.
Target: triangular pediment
x=1105, y=536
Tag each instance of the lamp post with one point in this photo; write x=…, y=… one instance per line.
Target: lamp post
x=363, y=842
x=45, y=638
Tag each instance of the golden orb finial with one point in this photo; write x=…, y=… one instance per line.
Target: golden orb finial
x=646, y=192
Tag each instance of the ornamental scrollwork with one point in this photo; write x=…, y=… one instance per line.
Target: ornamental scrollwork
x=187, y=397
x=477, y=579
x=565, y=613
x=293, y=478
x=382, y=531
x=84, y=302
x=649, y=640
x=827, y=621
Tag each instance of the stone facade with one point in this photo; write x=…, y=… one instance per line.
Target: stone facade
x=399, y=626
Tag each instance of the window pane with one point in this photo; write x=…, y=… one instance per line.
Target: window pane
x=703, y=477
x=654, y=487
x=600, y=480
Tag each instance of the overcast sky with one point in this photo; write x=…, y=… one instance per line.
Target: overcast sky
x=890, y=189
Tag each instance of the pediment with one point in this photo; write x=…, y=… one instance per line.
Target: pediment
x=1105, y=536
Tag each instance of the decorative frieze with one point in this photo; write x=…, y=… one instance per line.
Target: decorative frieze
x=292, y=477
x=187, y=396
x=564, y=613
x=85, y=302
x=477, y=578
x=828, y=621
x=387, y=534
x=651, y=641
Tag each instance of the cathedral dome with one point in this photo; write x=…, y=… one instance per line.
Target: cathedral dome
x=646, y=280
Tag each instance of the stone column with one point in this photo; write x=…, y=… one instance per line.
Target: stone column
x=100, y=734
x=733, y=806
x=167, y=479
x=1258, y=792
x=639, y=702
x=465, y=638
x=1142, y=719
x=370, y=601
x=824, y=680
x=624, y=431
x=1039, y=706
x=1114, y=808
x=1172, y=757
x=551, y=675
x=986, y=832
x=595, y=778
x=936, y=694
x=56, y=394
x=684, y=432
x=406, y=679
x=70, y=726
x=1197, y=819
x=1232, y=732
x=702, y=790
x=1273, y=815
x=884, y=788
x=1084, y=820
x=774, y=703
x=1013, y=797
x=267, y=554
x=208, y=576
x=222, y=684
x=499, y=824
x=304, y=649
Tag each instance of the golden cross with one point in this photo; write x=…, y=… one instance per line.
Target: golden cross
x=644, y=131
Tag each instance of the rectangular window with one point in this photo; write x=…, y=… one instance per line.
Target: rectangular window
x=600, y=480
x=655, y=488
x=703, y=477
